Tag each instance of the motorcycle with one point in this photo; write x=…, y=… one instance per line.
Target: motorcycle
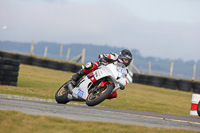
x=95, y=87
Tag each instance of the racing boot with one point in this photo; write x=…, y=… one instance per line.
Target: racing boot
x=77, y=76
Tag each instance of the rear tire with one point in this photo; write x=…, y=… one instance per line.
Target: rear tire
x=92, y=101
x=62, y=93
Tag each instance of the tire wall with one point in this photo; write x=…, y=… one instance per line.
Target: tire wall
x=153, y=80
x=167, y=82
x=9, y=71
x=41, y=62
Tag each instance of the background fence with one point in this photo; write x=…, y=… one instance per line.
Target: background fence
x=41, y=62
x=167, y=82
x=153, y=80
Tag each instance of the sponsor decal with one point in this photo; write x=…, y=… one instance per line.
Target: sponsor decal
x=121, y=70
x=96, y=73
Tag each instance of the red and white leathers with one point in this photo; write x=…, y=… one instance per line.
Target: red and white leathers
x=108, y=58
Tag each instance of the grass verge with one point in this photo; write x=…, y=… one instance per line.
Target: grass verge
x=17, y=122
x=43, y=83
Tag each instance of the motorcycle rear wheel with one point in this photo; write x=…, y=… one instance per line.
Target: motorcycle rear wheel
x=62, y=93
x=98, y=97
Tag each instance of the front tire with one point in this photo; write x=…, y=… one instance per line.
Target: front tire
x=62, y=93
x=95, y=98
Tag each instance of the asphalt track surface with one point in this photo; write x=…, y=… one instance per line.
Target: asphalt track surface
x=85, y=113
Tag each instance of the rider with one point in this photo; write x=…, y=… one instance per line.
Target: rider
x=123, y=59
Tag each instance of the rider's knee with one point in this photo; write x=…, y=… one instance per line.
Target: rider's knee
x=89, y=67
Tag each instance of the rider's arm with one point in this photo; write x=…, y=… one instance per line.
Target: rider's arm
x=123, y=80
x=110, y=58
x=122, y=83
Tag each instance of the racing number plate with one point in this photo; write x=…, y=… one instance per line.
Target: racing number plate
x=80, y=93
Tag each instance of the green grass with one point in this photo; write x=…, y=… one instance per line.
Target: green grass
x=43, y=83
x=17, y=122
x=37, y=82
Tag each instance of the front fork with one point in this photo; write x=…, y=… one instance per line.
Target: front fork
x=71, y=87
x=70, y=96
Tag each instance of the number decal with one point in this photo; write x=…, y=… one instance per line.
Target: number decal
x=121, y=70
x=80, y=93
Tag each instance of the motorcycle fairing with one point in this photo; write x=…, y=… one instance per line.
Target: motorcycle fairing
x=102, y=72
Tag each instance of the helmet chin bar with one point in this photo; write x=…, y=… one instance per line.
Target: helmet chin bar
x=125, y=60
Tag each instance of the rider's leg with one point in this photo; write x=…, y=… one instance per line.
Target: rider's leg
x=87, y=69
x=78, y=75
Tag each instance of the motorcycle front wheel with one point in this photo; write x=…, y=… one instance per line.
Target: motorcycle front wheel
x=62, y=93
x=97, y=96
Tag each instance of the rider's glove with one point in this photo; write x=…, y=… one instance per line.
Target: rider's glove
x=122, y=87
x=101, y=56
x=102, y=60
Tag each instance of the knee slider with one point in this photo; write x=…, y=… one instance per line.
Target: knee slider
x=88, y=66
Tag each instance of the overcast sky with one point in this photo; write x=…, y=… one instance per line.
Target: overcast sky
x=159, y=28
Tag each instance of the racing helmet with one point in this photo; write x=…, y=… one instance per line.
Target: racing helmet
x=126, y=56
